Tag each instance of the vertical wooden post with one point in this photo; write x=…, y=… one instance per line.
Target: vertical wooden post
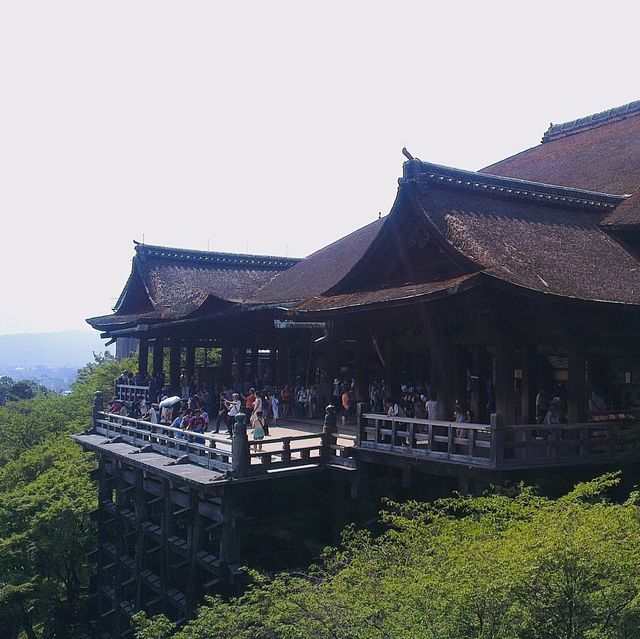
x=361, y=409
x=167, y=531
x=443, y=366
x=193, y=593
x=190, y=363
x=529, y=383
x=361, y=368
x=158, y=359
x=174, y=365
x=240, y=448
x=143, y=357
x=226, y=360
x=253, y=366
x=576, y=384
x=141, y=510
x=505, y=391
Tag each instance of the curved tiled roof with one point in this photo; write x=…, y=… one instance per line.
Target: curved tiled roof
x=170, y=283
x=542, y=245
x=599, y=153
x=321, y=270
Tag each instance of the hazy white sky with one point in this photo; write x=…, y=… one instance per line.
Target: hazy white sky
x=273, y=127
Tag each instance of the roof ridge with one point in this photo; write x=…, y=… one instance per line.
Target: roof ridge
x=556, y=131
x=566, y=197
x=213, y=257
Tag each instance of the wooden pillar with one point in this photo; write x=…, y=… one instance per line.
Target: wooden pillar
x=505, y=390
x=529, y=385
x=292, y=363
x=281, y=365
x=190, y=366
x=362, y=381
x=392, y=368
x=226, y=361
x=273, y=363
x=142, y=515
x=192, y=590
x=143, y=356
x=158, y=357
x=445, y=374
x=167, y=531
x=476, y=391
x=576, y=385
x=174, y=364
x=253, y=373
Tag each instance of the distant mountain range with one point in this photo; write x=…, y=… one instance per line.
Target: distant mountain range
x=60, y=349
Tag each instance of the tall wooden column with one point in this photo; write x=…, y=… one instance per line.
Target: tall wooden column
x=392, y=368
x=143, y=356
x=190, y=366
x=505, y=390
x=254, y=363
x=174, y=364
x=158, y=357
x=476, y=404
x=576, y=385
x=444, y=368
x=226, y=361
x=362, y=382
x=529, y=385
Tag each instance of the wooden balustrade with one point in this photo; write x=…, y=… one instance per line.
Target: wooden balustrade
x=237, y=456
x=130, y=392
x=508, y=447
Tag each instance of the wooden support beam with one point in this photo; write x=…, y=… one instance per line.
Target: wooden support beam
x=505, y=388
x=143, y=356
x=529, y=383
x=158, y=357
x=576, y=384
x=190, y=365
x=174, y=365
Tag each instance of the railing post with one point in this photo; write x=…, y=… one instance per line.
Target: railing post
x=98, y=407
x=240, y=448
x=471, y=435
x=412, y=433
x=286, y=449
x=362, y=408
x=496, y=452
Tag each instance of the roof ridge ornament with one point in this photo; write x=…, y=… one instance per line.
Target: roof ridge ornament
x=425, y=173
x=562, y=130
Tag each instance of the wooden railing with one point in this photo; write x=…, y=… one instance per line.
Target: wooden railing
x=211, y=451
x=508, y=447
x=237, y=456
x=131, y=392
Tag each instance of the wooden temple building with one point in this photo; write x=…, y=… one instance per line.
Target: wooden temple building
x=492, y=286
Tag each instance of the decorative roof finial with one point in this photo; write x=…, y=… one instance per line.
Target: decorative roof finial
x=407, y=154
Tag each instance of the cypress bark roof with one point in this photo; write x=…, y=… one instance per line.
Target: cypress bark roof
x=321, y=270
x=600, y=152
x=169, y=283
x=536, y=236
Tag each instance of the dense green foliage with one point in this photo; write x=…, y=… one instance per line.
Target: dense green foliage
x=502, y=567
x=13, y=391
x=46, y=497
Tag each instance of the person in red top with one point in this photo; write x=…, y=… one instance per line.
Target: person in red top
x=249, y=401
x=345, y=400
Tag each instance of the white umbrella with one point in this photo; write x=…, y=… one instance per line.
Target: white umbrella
x=169, y=401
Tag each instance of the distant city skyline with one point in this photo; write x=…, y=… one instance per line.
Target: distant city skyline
x=270, y=128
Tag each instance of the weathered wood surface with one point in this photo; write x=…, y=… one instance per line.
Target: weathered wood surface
x=508, y=447
x=216, y=452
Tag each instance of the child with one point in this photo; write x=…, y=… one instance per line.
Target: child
x=257, y=422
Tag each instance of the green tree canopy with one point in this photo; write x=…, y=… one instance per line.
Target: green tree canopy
x=492, y=567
